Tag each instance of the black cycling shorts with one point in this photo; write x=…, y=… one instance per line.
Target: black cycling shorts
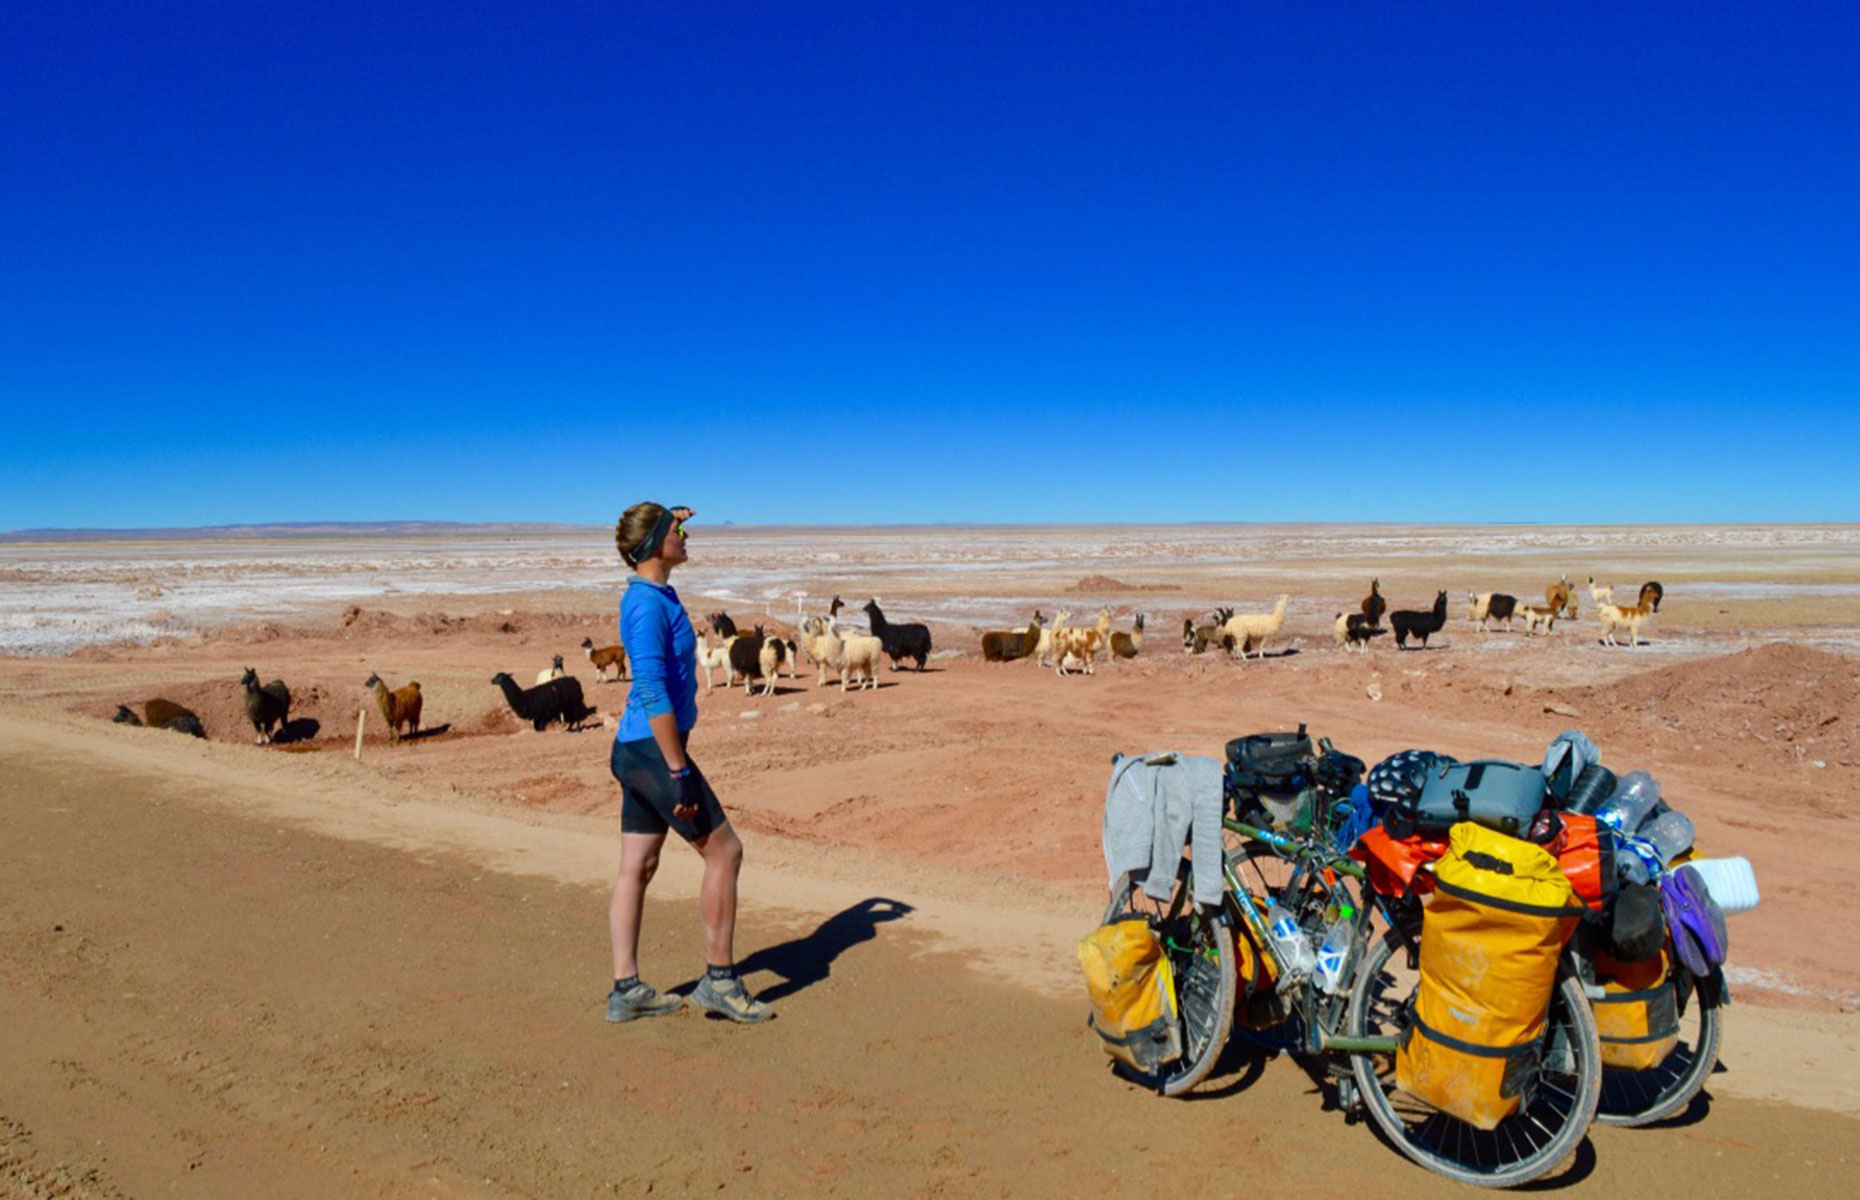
x=648, y=793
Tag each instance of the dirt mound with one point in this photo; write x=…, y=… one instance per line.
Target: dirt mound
x=1105, y=583
x=1802, y=701
x=320, y=708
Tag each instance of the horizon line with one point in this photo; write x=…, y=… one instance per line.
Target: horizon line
x=387, y=527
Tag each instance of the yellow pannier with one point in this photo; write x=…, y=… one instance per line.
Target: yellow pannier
x=1638, y=1018
x=1490, y=940
x=1132, y=989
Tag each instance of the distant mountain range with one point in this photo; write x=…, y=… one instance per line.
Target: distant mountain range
x=292, y=529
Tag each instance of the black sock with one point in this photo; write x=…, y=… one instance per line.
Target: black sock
x=720, y=974
x=627, y=984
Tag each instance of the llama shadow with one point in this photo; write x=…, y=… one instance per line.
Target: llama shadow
x=804, y=961
x=431, y=731
x=297, y=729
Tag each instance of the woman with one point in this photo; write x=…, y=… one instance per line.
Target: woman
x=660, y=787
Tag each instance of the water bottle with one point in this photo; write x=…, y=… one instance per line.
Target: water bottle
x=1331, y=956
x=1290, y=941
x=1634, y=798
x=1670, y=832
x=1636, y=861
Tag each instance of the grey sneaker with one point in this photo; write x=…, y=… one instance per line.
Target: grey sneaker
x=730, y=1000
x=640, y=1000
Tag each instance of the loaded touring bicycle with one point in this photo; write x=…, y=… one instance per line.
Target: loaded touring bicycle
x=1318, y=948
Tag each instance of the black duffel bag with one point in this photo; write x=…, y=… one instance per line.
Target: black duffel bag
x=1268, y=780
x=1267, y=760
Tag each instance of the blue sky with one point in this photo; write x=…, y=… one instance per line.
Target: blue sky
x=876, y=262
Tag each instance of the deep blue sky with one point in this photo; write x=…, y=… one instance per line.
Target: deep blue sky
x=871, y=262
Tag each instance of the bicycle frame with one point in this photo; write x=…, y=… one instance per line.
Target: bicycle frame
x=1320, y=1028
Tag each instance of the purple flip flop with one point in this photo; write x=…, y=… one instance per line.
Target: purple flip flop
x=1696, y=921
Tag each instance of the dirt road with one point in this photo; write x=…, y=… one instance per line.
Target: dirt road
x=306, y=980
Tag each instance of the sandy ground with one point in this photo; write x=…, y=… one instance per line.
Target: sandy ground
x=234, y=970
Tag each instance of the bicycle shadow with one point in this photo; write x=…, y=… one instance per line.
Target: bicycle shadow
x=1244, y=1060
x=1581, y=1162
x=1696, y=1110
x=804, y=961
x=1581, y=1166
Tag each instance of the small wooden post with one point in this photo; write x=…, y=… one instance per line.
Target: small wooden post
x=361, y=719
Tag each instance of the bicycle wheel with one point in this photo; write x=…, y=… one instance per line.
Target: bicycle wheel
x=1201, y=953
x=1526, y=1145
x=1643, y=1097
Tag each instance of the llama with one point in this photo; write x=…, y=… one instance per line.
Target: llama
x=1082, y=645
x=1008, y=645
x=1374, y=605
x=714, y=658
x=851, y=655
x=162, y=714
x=1561, y=597
x=1128, y=645
x=402, y=705
x=1197, y=638
x=756, y=657
x=1601, y=595
x=1250, y=630
x=1624, y=617
x=546, y=703
x=1495, y=606
x=901, y=641
x=1411, y=623
x=1049, y=638
x=1537, y=617
x=269, y=707
x=554, y=670
x=1352, y=631
x=604, y=658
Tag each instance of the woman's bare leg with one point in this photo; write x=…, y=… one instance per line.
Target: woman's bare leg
x=639, y=860
x=723, y=861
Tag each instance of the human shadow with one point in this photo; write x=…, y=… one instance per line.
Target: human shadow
x=804, y=961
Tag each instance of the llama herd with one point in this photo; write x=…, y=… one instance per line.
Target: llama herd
x=758, y=658
x=1486, y=610
x=1069, y=649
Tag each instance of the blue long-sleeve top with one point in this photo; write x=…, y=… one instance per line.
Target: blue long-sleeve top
x=661, y=650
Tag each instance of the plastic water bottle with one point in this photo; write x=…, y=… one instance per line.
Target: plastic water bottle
x=1331, y=957
x=1670, y=832
x=1634, y=798
x=1290, y=941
